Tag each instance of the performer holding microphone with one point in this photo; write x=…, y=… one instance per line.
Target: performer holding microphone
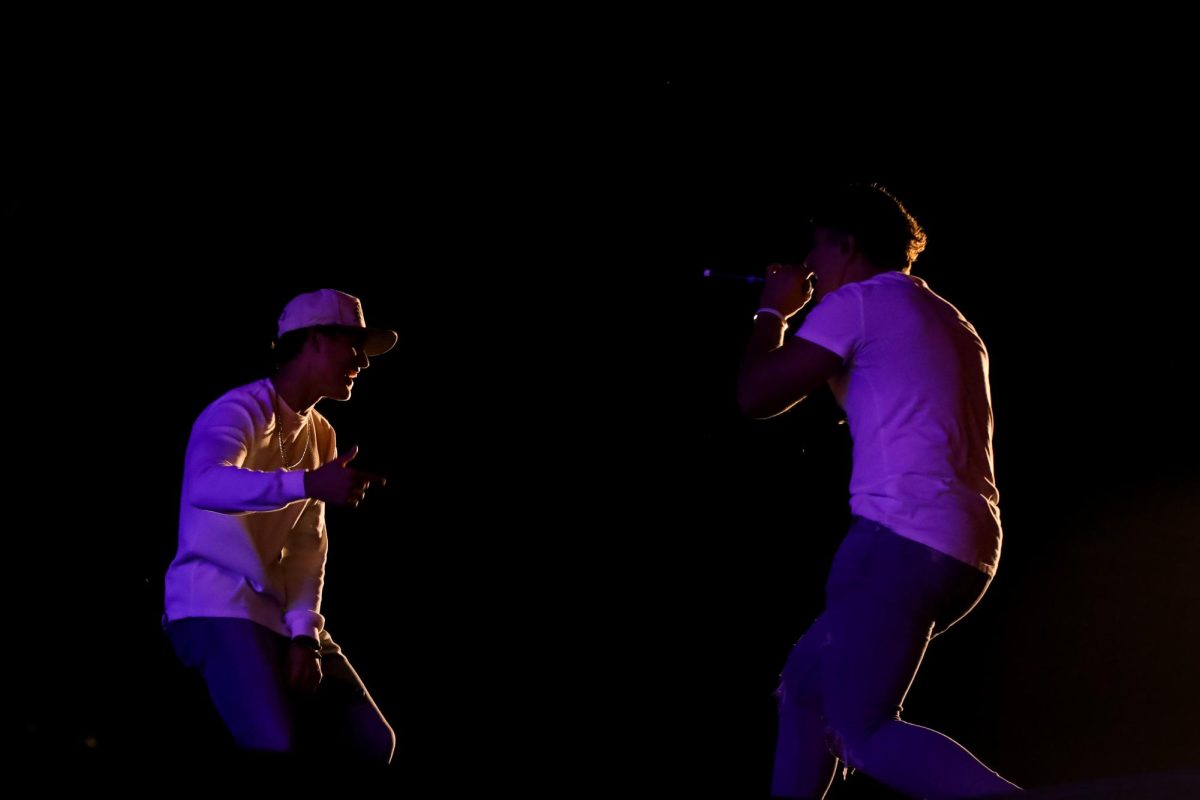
x=924, y=541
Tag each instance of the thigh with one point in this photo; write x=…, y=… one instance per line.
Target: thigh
x=342, y=717
x=884, y=597
x=800, y=681
x=243, y=665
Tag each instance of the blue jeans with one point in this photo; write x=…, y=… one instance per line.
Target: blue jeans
x=843, y=687
x=245, y=668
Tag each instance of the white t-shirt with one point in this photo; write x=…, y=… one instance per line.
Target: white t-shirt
x=916, y=395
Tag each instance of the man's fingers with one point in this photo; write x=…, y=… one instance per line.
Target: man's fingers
x=361, y=475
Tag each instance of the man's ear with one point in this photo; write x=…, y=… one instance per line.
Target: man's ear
x=847, y=245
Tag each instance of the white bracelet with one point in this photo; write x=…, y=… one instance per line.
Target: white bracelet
x=775, y=312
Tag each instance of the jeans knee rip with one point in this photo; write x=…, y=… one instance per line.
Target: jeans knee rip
x=837, y=747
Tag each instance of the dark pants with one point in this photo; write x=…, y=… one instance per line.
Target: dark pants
x=245, y=668
x=844, y=684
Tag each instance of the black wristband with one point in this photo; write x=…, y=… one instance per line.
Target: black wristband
x=308, y=643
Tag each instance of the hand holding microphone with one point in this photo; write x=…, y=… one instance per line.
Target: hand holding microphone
x=788, y=288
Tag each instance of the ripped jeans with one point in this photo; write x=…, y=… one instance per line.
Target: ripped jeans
x=844, y=683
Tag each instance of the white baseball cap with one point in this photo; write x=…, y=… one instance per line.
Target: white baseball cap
x=331, y=307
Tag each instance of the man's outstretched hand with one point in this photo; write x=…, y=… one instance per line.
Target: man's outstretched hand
x=339, y=483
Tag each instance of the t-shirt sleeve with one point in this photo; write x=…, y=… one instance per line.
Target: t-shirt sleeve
x=836, y=323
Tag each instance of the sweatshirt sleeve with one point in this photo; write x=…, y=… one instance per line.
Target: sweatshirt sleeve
x=304, y=572
x=304, y=566
x=214, y=479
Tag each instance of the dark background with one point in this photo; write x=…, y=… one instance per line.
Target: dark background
x=587, y=566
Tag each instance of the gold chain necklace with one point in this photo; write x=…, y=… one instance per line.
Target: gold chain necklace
x=279, y=435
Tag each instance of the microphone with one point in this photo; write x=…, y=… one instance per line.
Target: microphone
x=732, y=276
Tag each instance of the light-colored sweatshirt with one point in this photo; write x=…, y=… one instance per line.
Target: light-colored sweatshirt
x=251, y=545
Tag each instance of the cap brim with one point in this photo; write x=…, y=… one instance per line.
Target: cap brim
x=378, y=341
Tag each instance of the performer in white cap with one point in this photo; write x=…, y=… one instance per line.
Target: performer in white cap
x=243, y=593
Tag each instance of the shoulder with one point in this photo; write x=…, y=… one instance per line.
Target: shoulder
x=891, y=284
x=323, y=434
x=250, y=402
x=256, y=393
x=320, y=422
x=881, y=286
x=890, y=289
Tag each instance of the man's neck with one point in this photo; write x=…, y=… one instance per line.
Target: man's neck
x=293, y=389
x=862, y=270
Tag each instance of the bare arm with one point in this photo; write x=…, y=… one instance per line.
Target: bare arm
x=776, y=374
